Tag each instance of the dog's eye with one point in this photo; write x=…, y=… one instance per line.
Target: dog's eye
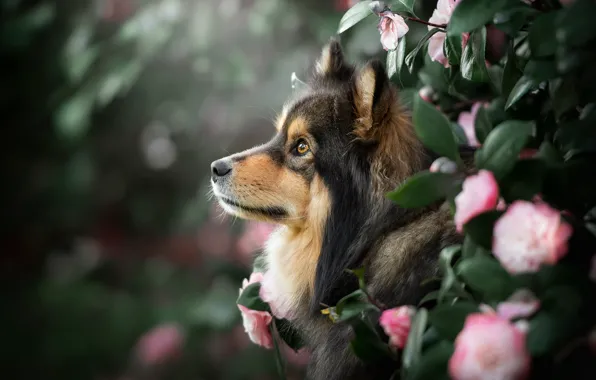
x=302, y=147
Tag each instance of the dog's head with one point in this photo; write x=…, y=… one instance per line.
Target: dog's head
x=345, y=129
x=340, y=145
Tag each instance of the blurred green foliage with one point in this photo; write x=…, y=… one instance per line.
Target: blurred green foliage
x=112, y=111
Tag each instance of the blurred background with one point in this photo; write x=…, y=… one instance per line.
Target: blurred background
x=114, y=262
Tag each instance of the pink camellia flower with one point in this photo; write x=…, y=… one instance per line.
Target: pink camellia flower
x=467, y=121
x=396, y=324
x=441, y=16
x=160, y=344
x=479, y=193
x=489, y=347
x=523, y=303
x=256, y=323
x=392, y=27
x=529, y=235
x=273, y=294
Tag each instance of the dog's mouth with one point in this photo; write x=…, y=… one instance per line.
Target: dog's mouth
x=272, y=212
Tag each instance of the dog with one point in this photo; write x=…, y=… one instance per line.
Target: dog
x=340, y=145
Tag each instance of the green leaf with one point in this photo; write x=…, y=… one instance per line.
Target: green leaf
x=523, y=85
x=250, y=298
x=279, y=359
x=356, y=295
x=574, y=27
x=411, y=57
x=434, y=363
x=511, y=73
x=480, y=228
x=392, y=60
x=288, y=334
x=354, y=15
x=473, y=14
x=555, y=322
x=549, y=154
x=511, y=19
x=367, y=344
x=540, y=71
x=452, y=48
x=408, y=4
x=401, y=53
x=502, y=147
x=422, y=189
x=353, y=305
x=563, y=94
x=472, y=249
x=485, y=275
x=541, y=35
x=473, y=66
x=449, y=319
x=433, y=129
x=413, y=347
x=449, y=278
x=482, y=125
x=431, y=296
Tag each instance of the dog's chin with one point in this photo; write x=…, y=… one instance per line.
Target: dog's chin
x=260, y=213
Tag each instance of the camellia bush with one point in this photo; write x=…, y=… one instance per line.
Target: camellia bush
x=516, y=300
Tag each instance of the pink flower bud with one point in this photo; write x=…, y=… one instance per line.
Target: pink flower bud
x=396, y=324
x=489, y=347
x=392, y=27
x=529, y=235
x=443, y=165
x=479, y=193
x=256, y=323
x=377, y=7
x=426, y=93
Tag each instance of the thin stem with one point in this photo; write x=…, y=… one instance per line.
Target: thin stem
x=378, y=304
x=442, y=26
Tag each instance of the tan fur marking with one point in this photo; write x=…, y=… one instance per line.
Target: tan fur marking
x=298, y=127
x=365, y=87
x=325, y=63
x=293, y=251
x=260, y=182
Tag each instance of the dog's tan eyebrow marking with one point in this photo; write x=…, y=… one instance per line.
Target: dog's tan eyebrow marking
x=298, y=127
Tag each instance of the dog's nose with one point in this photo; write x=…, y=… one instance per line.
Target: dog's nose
x=220, y=168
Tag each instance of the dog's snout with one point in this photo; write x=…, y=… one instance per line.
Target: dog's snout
x=220, y=168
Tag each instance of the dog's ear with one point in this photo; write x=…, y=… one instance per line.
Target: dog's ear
x=373, y=98
x=332, y=64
